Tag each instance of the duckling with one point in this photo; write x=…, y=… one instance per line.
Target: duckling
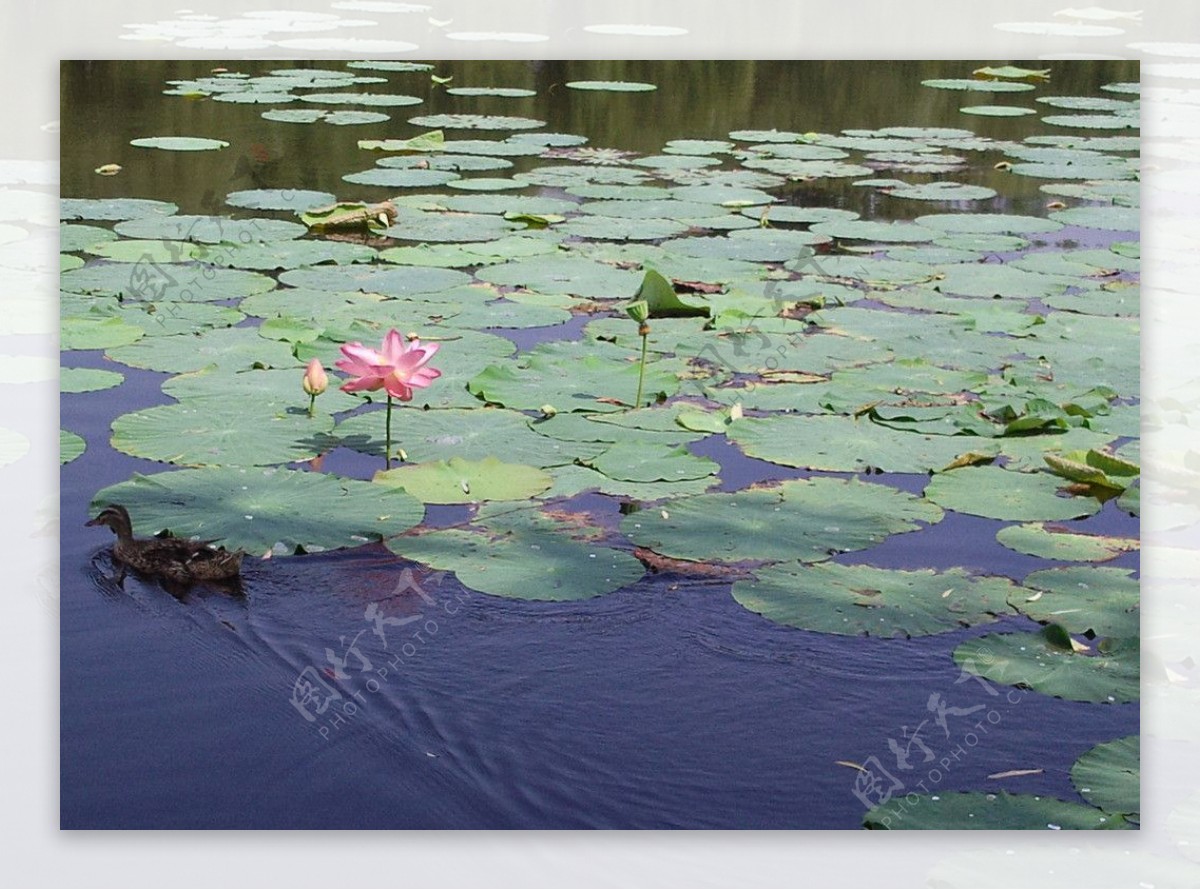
x=174, y=559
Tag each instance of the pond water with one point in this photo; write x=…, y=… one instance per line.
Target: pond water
x=664, y=702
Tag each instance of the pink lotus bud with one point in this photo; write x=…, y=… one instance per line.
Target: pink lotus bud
x=315, y=379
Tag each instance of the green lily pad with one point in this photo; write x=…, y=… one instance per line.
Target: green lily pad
x=753, y=245
x=70, y=446
x=1120, y=219
x=179, y=143
x=856, y=599
x=645, y=462
x=723, y=195
x=259, y=390
x=870, y=230
x=290, y=254
x=279, y=199
x=294, y=115
x=96, y=332
x=432, y=141
x=414, y=225
x=1109, y=776
x=469, y=434
x=847, y=444
x=379, y=99
x=87, y=379
x=612, y=86
x=1084, y=600
x=113, y=208
x=257, y=509
x=457, y=163
x=525, y=555
x=1003, y=494
x=998, y=110
x=73, y=237
x=394, y=281
x=988, y=223
x=803, y=519
x=1057, y=542
x=986, y=811
x=390, y=65
x=165, y=319
x=615, y=229
x=164, y=282
x=1047, y=662
x=475, y=122
x=1093, y=121
x=502, y=92
x=228, y=348
x=977, y=86
x=943, y=191
x=206, y=433
x=389, y=177
x=458, y=481
x=564, y=275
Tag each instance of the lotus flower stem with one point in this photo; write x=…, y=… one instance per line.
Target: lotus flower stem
x=312, y=404
x=387, y=448
x=644, y=330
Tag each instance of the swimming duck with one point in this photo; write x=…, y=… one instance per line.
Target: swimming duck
x=175, y=559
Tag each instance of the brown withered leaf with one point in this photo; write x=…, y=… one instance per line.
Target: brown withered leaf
x=657, y=563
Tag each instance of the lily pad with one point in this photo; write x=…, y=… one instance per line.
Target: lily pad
x=847, y=444
x=1109, y=776
x=229, y=348
x=387, y=177
x=943, y=191
x=395, y=281
x=644, y=462
x=804, y=519
x=612, y=86
x=96, y=332
x=572, y=377
x=468, y=434
x=1084, y=600
x=87, y=380
x=475, y=122
x=384, y=99
x=221, y=434
x=957, y=810
x=70, y=446
x=294, y=115
x=1120, y=219
x=457, y=481
x=998, y=110
x=1093, y=121
x=113, y=208
x=1003, y=494
x=256, y=509
x=73, y=237
x=180, y=143
x=525, y=555
x=502, y=92
x=290, y=254
x=1047, y=662
x=279, y=199
x=988, y=223
x=432, y=226
x=871, y=230
x=858, y=599
x=1057, y=542
x=564, y=275
x=978, y=86
x=164, y=282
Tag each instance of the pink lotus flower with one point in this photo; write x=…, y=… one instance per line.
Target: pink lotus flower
x=398, y=367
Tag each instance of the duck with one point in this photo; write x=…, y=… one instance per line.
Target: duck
x=174, y=559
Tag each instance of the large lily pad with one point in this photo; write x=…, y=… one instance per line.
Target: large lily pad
x=525, y=555
x=395, y=281
x=1084, y=600
x=468, y=434
x=572, y=376
x=226, y=433
x=1057, y=542
x=113, y=208
x=180, y=143
x=1047, y=662
x=458, y=481
x=1109, y=776
x=228, y=348
x=179, y=282
x=87, y=379
x=646, y=462
x=847, y=444
x=612, y=86
x=1003, y=494
x=475, y=122
x=257, y=508
x=843, y=599
x=958, y=810
x=802, y=519
x=96, y=332
x=279, y=199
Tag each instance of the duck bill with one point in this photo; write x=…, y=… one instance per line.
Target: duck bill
x=95, y=521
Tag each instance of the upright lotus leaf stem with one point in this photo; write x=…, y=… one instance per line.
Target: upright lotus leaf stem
x=398, y=367
x=639, y=311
